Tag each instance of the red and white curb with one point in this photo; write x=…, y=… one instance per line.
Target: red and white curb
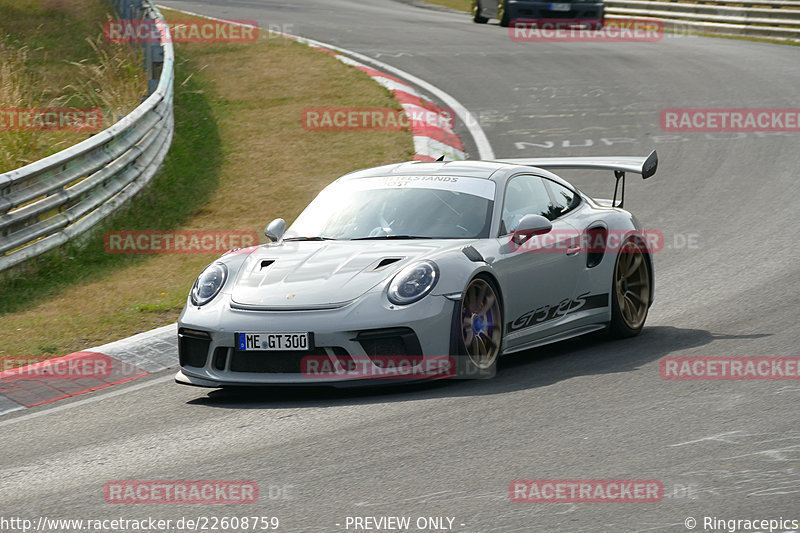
x=430, y=125
x=89, y=370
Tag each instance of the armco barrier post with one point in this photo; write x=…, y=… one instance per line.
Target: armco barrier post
x=155, y=62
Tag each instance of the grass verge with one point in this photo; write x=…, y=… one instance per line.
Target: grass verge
x=239, y=159
x=460, y=5
x=52, y=54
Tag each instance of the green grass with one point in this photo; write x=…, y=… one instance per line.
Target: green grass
x=747, y=38
x=460, y=5
x=187, y=179
x=52, y=54
x=57, y=28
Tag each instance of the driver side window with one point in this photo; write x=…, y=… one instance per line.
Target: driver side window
x=525, y=195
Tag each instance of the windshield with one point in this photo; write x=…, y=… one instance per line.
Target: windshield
x=433, y=207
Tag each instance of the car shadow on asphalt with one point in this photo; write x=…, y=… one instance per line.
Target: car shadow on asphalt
x=583, y=356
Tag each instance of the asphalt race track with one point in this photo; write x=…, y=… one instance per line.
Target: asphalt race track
x=727, y=284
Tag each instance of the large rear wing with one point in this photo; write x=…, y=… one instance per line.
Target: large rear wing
x=646, y=166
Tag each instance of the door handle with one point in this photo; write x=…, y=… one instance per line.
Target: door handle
x=573, y=251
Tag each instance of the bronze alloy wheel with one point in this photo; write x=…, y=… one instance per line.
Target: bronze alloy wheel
x=632, y=285
x=481, y=324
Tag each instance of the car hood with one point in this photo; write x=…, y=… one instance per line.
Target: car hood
x=310, y=274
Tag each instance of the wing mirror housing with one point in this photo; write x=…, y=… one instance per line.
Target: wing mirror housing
x=275, y=230
x=529, y=226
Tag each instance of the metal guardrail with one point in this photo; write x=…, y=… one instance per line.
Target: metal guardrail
x=779, y=19
x=52, y=201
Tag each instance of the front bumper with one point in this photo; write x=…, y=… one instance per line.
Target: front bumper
x=369, y=326
x=532, y=12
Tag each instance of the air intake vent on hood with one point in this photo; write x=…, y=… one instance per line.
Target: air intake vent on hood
x=266, y=262
x=386, y=262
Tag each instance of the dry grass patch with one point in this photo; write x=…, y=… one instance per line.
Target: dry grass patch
x=276, y=167
x=270, y=166
x=460, y=5
x=52, y=54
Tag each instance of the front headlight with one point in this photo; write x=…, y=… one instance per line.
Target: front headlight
x=208, y=283
x=413, y=282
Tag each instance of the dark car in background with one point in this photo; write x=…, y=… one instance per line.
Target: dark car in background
x=588, y=13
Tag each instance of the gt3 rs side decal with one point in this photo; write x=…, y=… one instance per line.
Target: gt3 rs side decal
x=546, y=313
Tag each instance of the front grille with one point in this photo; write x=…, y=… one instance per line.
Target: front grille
x=390, y=341
x=579, y=12
x=220, y=358
x=558, y=15
x=271, y=362
x=193, y=347
x=384, y=346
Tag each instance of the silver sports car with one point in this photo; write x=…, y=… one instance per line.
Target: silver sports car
x=422, y=269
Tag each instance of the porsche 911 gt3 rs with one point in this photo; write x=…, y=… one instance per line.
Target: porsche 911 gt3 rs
x=422, y=260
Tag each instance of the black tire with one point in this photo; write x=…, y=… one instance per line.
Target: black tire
x=502, y=13
x=477, y=329
x=476, y=10
x=630, y=283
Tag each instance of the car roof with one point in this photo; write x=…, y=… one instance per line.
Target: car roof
x=490, y=170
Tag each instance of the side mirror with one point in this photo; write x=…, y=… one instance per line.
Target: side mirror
x=275, y=229
x=529, y=226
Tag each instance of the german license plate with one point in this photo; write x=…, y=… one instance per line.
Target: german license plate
x=559, y=7
x=273, y=342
